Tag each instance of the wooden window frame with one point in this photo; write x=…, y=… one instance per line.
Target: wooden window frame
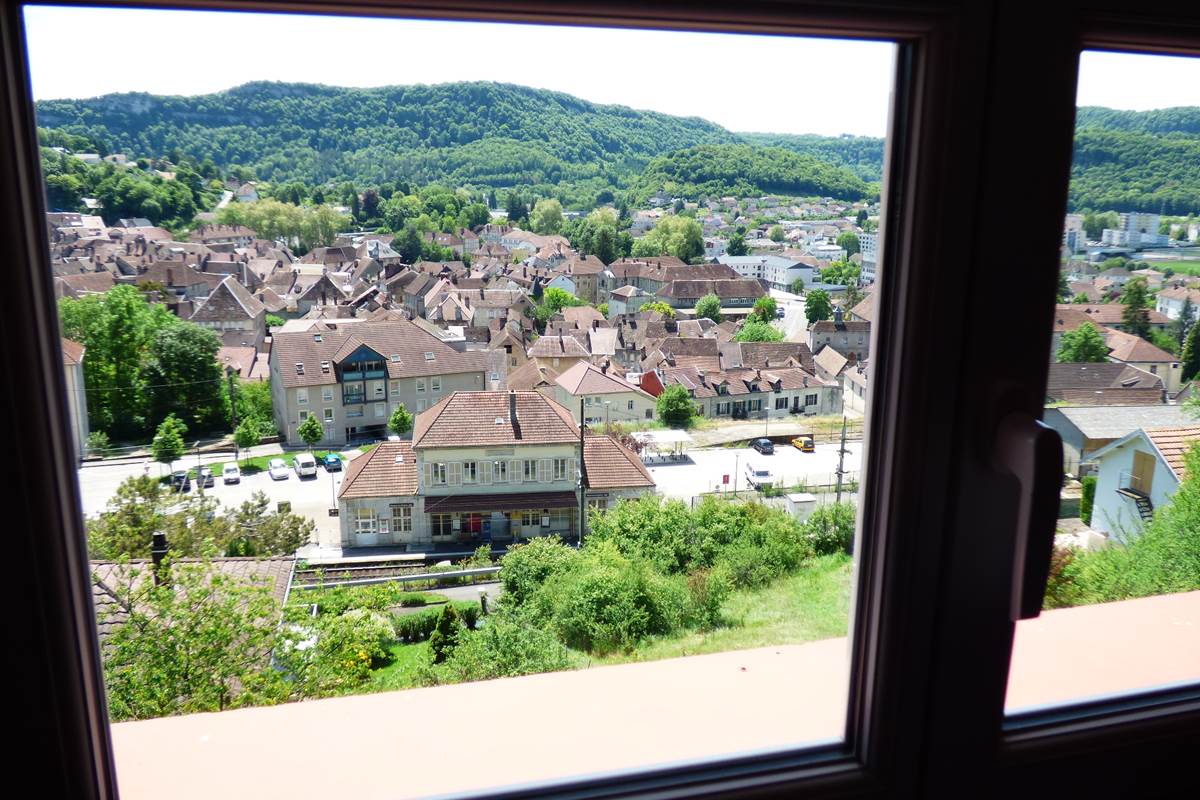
x=931, y=637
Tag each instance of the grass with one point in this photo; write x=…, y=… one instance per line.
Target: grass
x=256, y=464
x=400, y=672
x=811, y=605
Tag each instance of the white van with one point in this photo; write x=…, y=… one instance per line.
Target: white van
x=306, y=465
x=759, y=477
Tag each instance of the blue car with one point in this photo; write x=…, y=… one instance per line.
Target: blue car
x=332, y=462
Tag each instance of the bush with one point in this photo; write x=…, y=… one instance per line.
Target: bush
x=708, y=590
x=1061, y=590
x=415, y=627
x=525, y=567
x=98, y=443
x=506, y=647
x=647, y=528
x=607, y=602
x=830, y=529
x=345, y=650
x=446, y=634
x=1087, y=498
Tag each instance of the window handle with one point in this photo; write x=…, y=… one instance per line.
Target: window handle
x=1032, y=451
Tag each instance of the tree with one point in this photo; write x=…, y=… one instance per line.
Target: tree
x=547, y=216
x=401, y=421
x=675, y=407
x=310, y=431
x=758, y=330
x=662, y=307
x=737, y=244
x=515, y=208
x=1191, y=355
x=848, y=241
x=446, y=634
x=185, y=376
x=709, y=307
x=817, y=306
x=681, y=237
x=168, y=445
x=1187, y=318
x=775, y=234
x=254, y=530
x=247, y=434
x=1082, y=345
x=556, y=299
x=274, y=321
x=797, y=286
x=1136, y=316
x=764, y=308
x=199, y=641
x=1064, y=288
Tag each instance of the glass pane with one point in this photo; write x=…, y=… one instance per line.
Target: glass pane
x=1122, y=606
x=593, y=384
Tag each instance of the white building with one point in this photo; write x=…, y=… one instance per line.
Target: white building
x=778, y=271
x=1136, y=475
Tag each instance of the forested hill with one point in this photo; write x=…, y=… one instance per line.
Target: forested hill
x=461, y=133
x=862, y=155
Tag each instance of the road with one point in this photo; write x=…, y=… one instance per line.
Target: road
x=790, y=467
x=794, y=324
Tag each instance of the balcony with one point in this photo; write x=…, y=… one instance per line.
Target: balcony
x=365, y=375
x=353, y=399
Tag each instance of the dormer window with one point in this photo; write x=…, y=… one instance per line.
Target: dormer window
x=395, y=358
x=325, y=367
x=429, y=356
x=299, y=369
x=317, y=337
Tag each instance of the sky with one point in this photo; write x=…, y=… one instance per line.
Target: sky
x=744, y=83
x=1137, y=82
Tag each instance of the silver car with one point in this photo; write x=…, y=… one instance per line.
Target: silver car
x=278, y=469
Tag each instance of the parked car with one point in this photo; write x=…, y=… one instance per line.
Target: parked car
x=306, y=465
x=277, y=468
x=804, y=443
x=764, y=446
x=332, y=462
x=231, y=474
x=780, y=313
x=180, y=482
x=204, y=477
x=759, y=477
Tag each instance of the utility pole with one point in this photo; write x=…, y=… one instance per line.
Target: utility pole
x=841, y=461
x=233, y=409
x=582, y=479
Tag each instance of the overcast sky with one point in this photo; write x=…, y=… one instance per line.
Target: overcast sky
x=745, y=83
x=1138, y=82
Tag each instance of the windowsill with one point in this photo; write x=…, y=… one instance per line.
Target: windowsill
x=538, y=728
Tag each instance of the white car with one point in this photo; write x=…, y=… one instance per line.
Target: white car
x=277, y=468
x=231, y=474
x=759, y=477
x=306, y=465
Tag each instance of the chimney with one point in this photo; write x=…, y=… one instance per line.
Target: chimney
x=158, y=551
x=512, y=406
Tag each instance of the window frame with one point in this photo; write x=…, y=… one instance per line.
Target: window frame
x=962, y=97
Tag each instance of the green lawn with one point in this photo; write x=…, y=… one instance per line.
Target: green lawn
x=250, y=466
x=400, y=672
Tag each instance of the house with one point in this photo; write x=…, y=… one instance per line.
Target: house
x=627, y=300
x=1136, y=475
x=1104, y=384
x=780, y=272
x=237, y=316
x=732, y=292
x=560, y=352
x=851, y=339
x=1170, y=302
x=755, y=393
x=1112, y=315
x=482, y=467
x=605, y=396
x=854, y=388
x=1086, y=429
x=77, y=413
x=1137, y=352
x=353, y=377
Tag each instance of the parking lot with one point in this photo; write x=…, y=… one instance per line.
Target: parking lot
x=705, y=469
x=310, y=497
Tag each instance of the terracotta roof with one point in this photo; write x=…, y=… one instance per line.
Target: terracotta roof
x=229, y=301
x=1182, y=293
x=849, y=326
x=775, y=354
x=530, y=376
x=72, y=352
x=723, y=288
x=1173, y=443
x=1111, y=313
x=398, y=338
x=831, y=361
x=274, y=573
x=585, y=378
x=1127, y=347
x=609, y=465
x=865, y=310
x=389, y=469
x=476, y=419
x=583, y=316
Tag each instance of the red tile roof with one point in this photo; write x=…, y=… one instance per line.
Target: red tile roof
x=389, y=469
x=478, y=419
x=609, y=465
x=1173, y=443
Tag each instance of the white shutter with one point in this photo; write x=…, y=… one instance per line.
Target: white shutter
x=485, y=472
x=454, y=473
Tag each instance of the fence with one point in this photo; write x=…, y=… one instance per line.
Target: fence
x=823, y=486
x=426, y=577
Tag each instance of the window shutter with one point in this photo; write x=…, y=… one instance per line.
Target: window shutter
x=454, y=473
x=485, y=472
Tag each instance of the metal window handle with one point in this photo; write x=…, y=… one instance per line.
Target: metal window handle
x=1032, y=452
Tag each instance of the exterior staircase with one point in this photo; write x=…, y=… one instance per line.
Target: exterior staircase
x=1144, y=506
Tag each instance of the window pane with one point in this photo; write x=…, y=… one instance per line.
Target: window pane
x=1122, y=606
x=614, y=536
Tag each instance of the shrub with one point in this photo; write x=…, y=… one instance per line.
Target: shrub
x=607, y=602
x=416, y=627
x=1061, y=590
x=1087, y=498
x=526, y=567
x=446, y=634
x=468, y=612
x=346, y=648
x=708, y=590
x=647, y=528
x=98, y=443
x=507, y=646
x=830, y=529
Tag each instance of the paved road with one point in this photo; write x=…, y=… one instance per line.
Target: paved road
x=791, y=467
